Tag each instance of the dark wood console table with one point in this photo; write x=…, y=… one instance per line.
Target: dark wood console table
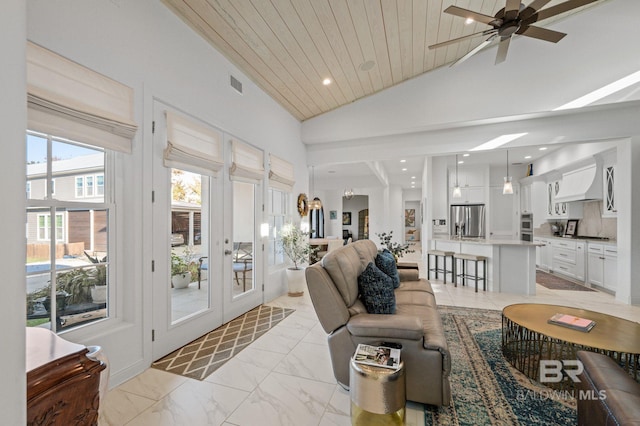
x=62, y=383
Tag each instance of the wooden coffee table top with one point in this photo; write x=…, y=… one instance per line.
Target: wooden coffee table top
x=610, y=333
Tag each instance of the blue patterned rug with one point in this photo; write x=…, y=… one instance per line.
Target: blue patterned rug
x=486, y=389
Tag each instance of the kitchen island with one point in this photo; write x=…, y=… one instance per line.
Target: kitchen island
x=511, y=264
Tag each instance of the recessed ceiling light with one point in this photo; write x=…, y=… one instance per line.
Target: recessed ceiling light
x=465, y=155
x=460, y=161
x=403, y=161
x=469, y=21
x=543, y=148
x=331, y=171
x=499, y=141
x=526, y=157
x=368, y=65
x=404, y=169
x=326, y=81
x=413, y=177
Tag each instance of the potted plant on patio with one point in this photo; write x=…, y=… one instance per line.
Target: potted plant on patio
x=295, y=244
x=181, y=265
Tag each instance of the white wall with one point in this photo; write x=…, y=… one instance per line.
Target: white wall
x=145, y=46
x=13, y=122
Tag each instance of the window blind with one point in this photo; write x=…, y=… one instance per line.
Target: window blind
x=69, y=100
x=247, y=161
x=192, y=146
x=281, y=173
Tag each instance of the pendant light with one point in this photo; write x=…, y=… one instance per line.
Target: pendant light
x=314, y=203
x=507, y=189
x=348, y=194
x=457, y=192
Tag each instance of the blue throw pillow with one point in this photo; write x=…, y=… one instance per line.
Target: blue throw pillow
x=376, y=291
x=387, y=264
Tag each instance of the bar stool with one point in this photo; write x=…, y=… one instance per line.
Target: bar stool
x=444, y=254
x=464, y=257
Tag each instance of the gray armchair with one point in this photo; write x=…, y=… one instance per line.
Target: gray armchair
x=416, y=325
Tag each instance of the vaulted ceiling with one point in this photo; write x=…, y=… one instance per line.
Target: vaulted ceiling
x=288, y=47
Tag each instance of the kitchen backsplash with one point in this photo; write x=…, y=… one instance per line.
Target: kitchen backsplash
x=592, y=223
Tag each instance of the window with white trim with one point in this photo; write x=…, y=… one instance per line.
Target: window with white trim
x=74, y=266
x=278, y=214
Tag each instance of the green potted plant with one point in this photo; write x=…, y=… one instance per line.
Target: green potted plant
x=181, y=266
x=398, y=250
x=295, y=244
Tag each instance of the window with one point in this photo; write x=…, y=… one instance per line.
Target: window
x=44, y=227
x=278, y=211
x=67, y=278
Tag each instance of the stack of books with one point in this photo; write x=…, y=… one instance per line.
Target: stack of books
x=379, y=356
x=573, y=322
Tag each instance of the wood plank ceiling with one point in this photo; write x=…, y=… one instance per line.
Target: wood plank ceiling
x=288, y=47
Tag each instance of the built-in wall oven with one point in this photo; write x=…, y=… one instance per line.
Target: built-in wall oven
x=526, y=227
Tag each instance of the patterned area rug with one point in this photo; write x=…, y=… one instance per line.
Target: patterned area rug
x=554, y=282
x=206, y=354
x=486, y=389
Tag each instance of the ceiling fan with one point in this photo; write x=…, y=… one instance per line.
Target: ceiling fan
x=514, y=18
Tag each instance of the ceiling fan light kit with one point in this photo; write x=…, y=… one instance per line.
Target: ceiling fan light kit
x=514, y=18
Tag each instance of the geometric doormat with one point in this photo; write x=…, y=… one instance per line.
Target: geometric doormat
x=554, y=282
x=206, y=354
x=485, y=388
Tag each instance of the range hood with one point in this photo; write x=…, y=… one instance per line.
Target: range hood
x=581, y=184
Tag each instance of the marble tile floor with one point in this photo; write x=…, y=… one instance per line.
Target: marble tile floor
x=285, y=377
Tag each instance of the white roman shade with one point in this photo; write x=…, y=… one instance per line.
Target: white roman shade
x=69, y=100
x=247, y=162
x=281, y=174
x=192, y=146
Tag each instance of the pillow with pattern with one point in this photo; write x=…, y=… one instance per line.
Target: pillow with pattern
x=376, y=291
x=387, y=264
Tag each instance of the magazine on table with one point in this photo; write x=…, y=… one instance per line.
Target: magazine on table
x=570, y=321
x=379, y=356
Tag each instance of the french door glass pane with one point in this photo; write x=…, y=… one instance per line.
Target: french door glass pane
x=189, y=243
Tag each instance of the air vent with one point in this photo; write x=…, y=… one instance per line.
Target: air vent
x=236, y=84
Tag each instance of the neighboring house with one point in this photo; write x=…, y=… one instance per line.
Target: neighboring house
x=76, y=180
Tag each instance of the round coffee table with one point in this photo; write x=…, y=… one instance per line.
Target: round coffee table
x=528, y=338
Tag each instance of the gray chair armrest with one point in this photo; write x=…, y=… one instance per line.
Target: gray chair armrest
x=388, y=326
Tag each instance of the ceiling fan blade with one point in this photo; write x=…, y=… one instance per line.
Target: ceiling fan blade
x=511, y=10
x=541, y=33
x=474, y=50
x=455, y=40
x=556, y=10
x=503, y=48
x=535, y=6
x=464, y=13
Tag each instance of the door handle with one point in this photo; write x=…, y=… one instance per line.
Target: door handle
x=227, y=252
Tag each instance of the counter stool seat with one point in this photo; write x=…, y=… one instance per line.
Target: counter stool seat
x=444, y=254
x=465, y=257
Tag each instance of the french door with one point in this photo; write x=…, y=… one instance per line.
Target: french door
x=186, y=276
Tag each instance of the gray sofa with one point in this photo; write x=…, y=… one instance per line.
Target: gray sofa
x=416, y=325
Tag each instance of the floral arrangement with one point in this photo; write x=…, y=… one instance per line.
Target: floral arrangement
x=398, y=250
x=295, y=244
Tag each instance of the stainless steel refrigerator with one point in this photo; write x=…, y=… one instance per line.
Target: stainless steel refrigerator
x=467, y=220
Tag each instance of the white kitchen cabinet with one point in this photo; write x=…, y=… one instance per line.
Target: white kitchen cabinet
x=557, y=210
x=472, y=185
x=609, y=208
x=525, y=198
x=580, y=261
x=603, y=265
x=543, y=253
x=564, y=257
